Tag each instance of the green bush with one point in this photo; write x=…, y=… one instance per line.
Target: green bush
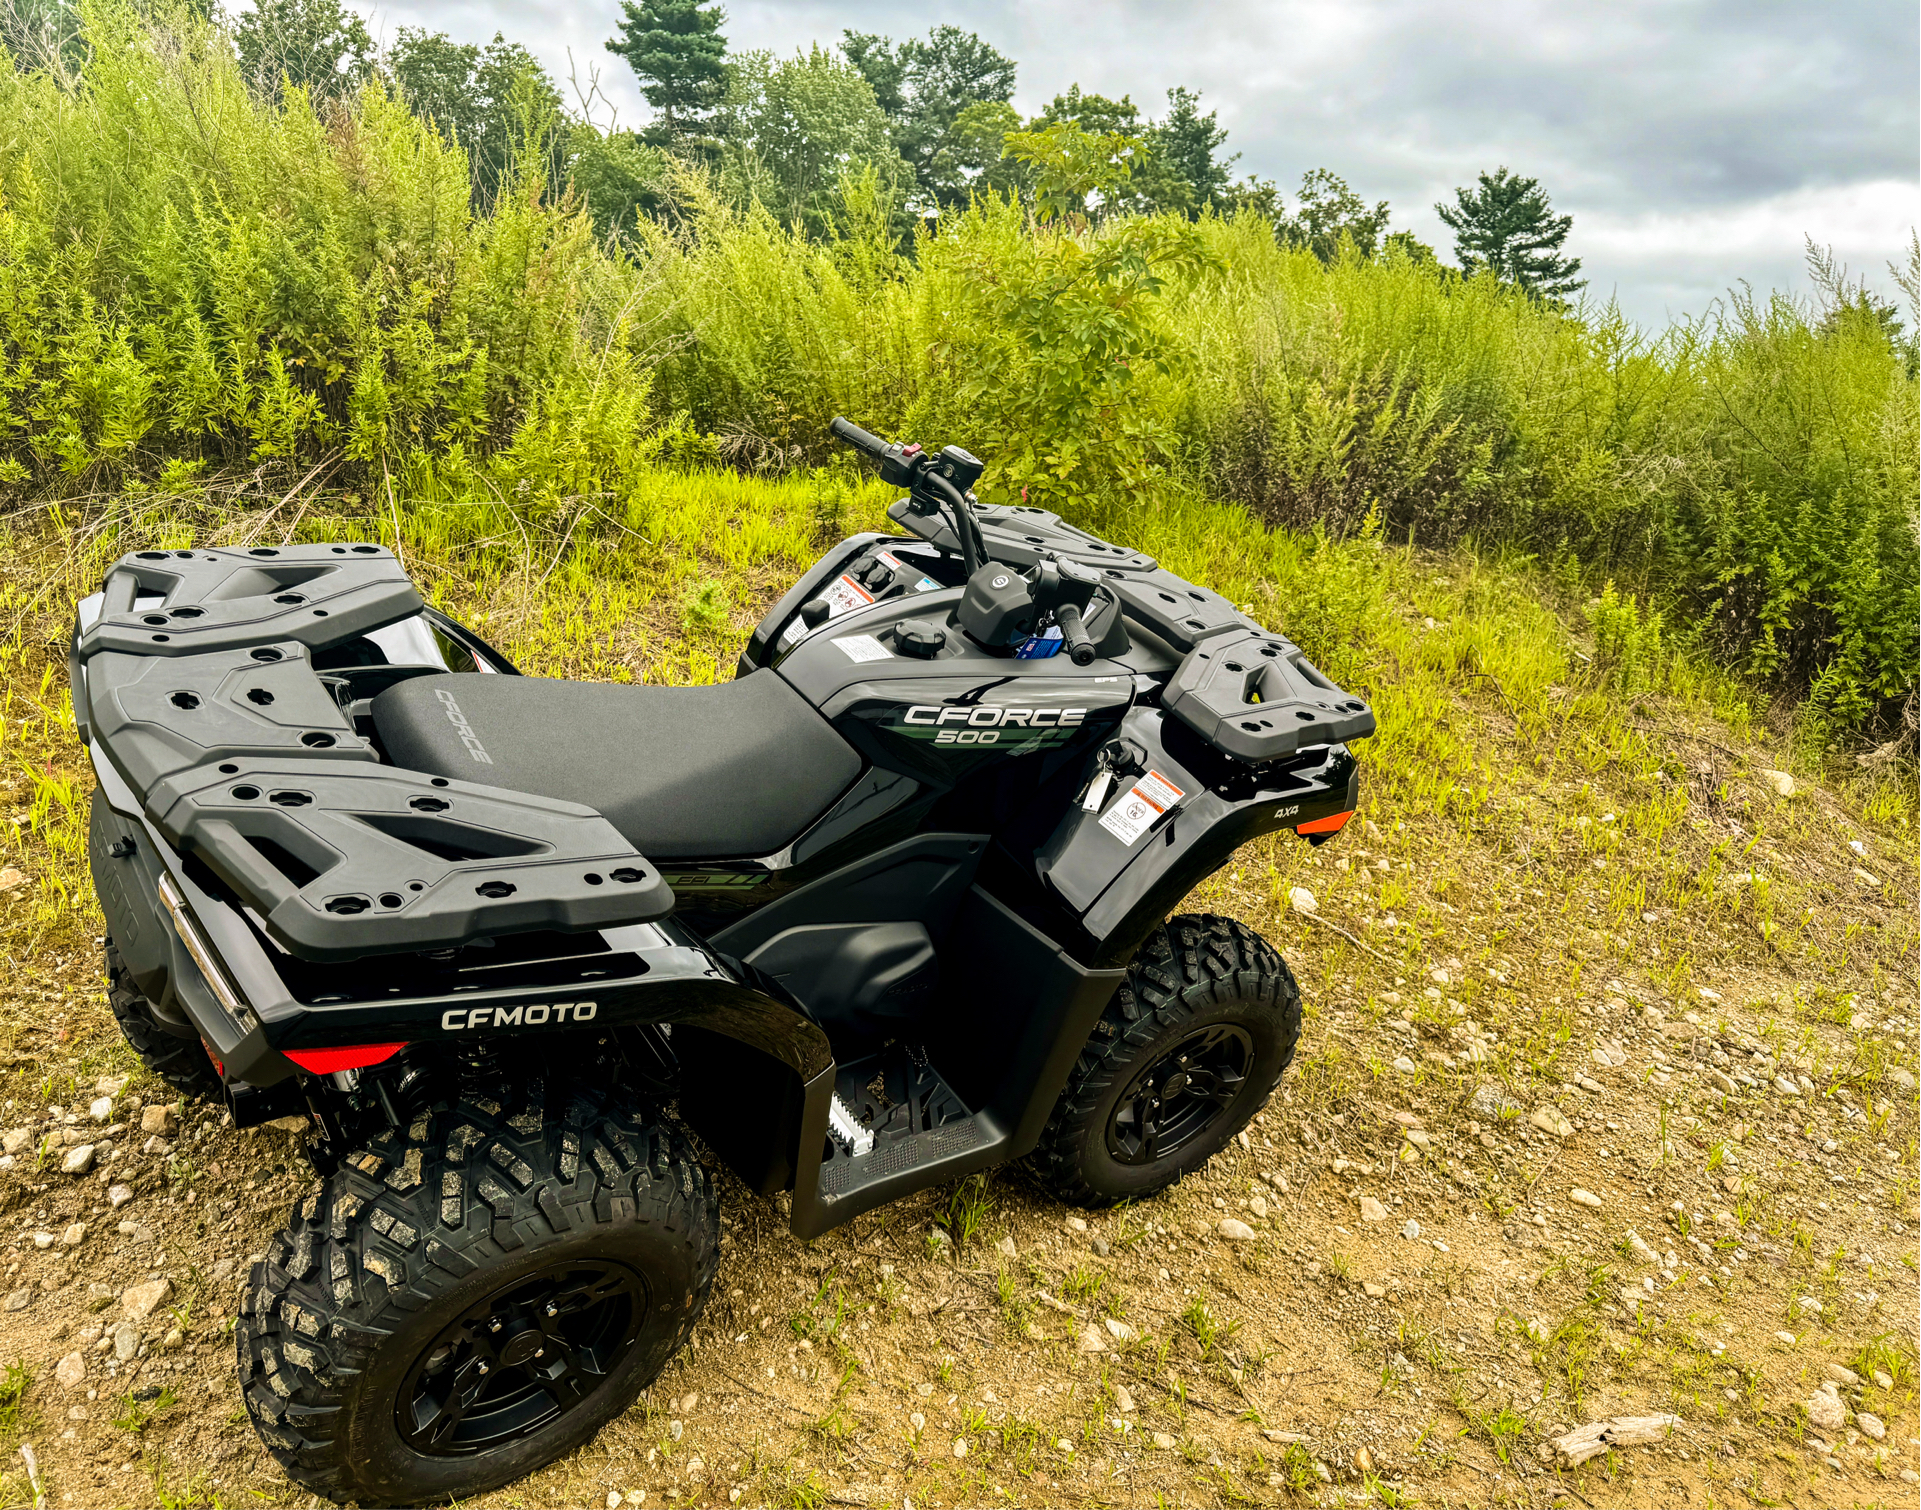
x=202, y=287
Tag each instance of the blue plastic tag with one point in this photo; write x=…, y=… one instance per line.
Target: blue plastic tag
x=1038, y=647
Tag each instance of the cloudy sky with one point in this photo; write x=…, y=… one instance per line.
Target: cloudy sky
x=1695, y=142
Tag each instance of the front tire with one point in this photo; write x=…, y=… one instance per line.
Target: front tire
x=1189, y=1049
x=464, y=1302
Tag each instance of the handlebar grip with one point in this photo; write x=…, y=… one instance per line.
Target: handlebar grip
x=859, y=439
x=1080, y=647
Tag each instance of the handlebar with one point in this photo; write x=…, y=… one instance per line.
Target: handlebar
x=1074, y=636
x=859, y=439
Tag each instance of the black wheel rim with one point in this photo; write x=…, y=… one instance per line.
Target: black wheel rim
x=522, y=1358
x=1178, y=1098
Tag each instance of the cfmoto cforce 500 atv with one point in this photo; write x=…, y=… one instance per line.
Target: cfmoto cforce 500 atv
x=891, y=906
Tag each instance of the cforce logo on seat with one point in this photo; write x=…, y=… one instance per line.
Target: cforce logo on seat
x=985, y=725
x=466, y=730
x=534, y=1016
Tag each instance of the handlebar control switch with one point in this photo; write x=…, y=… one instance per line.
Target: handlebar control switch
x=917, y=637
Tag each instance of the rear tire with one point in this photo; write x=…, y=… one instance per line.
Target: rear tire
x=181, y=1062
x=1189, y=1049
x=464, y=1302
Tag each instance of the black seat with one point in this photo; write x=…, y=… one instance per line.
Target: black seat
x=723, y=772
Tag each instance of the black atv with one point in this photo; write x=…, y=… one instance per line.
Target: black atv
x=889, y=907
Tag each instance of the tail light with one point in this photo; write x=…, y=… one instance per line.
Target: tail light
x=357, y=1056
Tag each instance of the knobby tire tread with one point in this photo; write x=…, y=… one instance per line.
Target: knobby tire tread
x=1191, y=961
x=413, y=1212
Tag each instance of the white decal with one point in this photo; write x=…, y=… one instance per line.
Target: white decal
x=863, y=648
x=1140, y=806
x=534, y=1015
x=466, y=730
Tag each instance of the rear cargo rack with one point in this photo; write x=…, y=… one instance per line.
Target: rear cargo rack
x=197, y=683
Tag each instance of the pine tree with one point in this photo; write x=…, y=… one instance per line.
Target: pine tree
x=677, y=52
x=1508, y=227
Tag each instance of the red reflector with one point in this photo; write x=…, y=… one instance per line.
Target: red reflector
x=356, y=1057
x=1331, y=824
x=219, y=1068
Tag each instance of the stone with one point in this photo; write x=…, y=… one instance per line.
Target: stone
x=1124, y=1399
x=1302, y=900
x=175, y=1338
x=1372, y=1210
x=1235, y=1232
x=1091, y=1341
x=1721, y=1082
x=1120, y=1331
x=100, y=1296
x=1825, y=1410
x=1491, y=1103
x=77, y=1160
x=156, y=1147
x=142, y=1300
x=1258, y=1207
x=126, y=1341
x=101, y=1109
x=17, y=1139
x=71, y=1371
x=119, y=1195
x=1779, y=782
x=1405, y=1065
x=161, y=1121
x=1372, y=1290
x=74, y=1236
x=1582, y=1197
x=44, y=1240
x=1411, y=1228
x=1163, y=1441
x=1786, y=1086
x=1550, y=1120
x=1865, y=877
x=1005, y=1247
x=20, y=1299
x=1871, y=1426
x=1076, y=1224
x=1882, y=1381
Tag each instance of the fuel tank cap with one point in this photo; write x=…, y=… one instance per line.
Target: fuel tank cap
x=920, y=638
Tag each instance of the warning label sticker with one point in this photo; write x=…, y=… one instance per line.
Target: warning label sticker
x=863, y=648
x=1139, y=806
x=844, y=595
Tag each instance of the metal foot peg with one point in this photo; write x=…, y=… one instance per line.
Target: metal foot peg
x=848, y=1133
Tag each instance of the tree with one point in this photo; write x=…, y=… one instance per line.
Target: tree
x=316, y=45
x=795, y=128
x=490, y=101
x=1507, y=227
x=618, y=177
x=923, y=87
x=676, y=50
x=1186, y=141
x=1331, y=216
